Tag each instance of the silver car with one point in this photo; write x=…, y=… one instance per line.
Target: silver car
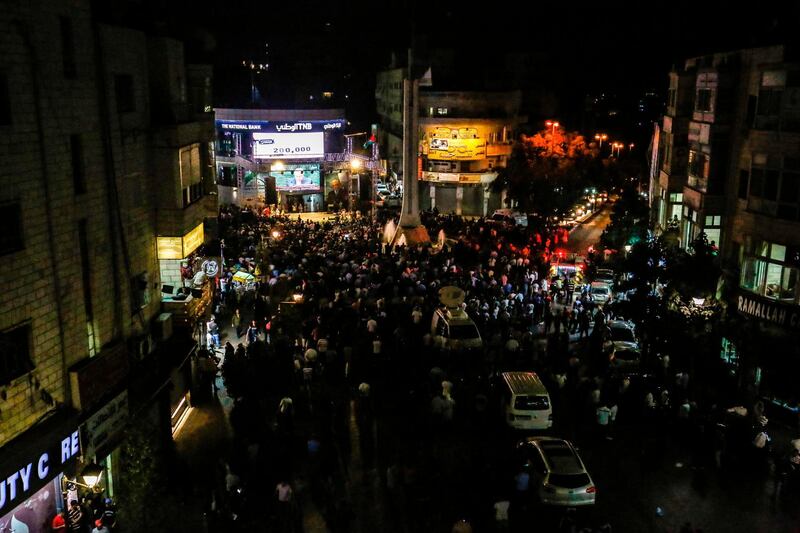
x=557, y=472
x=622, y=336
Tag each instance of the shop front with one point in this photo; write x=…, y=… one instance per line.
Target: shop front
x=186, y=290
x=760, y=347
x=459, y=193
x=38, y=469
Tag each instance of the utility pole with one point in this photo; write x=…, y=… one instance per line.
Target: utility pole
x=410, y=225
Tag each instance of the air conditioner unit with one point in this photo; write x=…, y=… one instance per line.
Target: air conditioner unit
x=163, y=327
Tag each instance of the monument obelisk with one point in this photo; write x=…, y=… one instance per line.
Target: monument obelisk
x=410, y=229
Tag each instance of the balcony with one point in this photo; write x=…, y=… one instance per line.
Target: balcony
x=179, y=221
x=174, y=135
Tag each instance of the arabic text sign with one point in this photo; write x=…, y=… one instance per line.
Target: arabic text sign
x=288, y=145
x=281, y=126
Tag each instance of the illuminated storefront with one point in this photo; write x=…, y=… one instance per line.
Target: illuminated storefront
x=33, y=470
x=277, y=156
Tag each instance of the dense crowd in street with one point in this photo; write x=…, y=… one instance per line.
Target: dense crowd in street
x=335, y=352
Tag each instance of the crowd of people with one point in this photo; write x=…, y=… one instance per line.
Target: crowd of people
x=336, y=314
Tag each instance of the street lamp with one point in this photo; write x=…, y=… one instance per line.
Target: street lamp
x=600, y=137
x=355, y=164
x=616, y=146
x=91, y=474
x=552, y=124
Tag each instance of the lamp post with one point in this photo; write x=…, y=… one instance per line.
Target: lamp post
x=552, y=124
x=600, y=137
x=616, y=146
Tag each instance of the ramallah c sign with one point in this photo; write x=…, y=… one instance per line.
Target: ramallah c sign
x=785, y=316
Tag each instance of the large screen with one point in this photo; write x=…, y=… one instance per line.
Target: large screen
x=289, y=145
x=295, y=178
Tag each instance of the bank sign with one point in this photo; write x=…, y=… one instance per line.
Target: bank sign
x=785, y=316
x=280, y=126
x=29, y=476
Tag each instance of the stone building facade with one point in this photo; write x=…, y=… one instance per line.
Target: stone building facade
x=92, y=122
x=729, y=167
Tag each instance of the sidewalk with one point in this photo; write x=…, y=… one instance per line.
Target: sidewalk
x=206, y=438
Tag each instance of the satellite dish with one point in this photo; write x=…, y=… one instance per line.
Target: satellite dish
x=451, y=296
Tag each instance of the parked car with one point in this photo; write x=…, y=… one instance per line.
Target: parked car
x=625, y=361
x=604, y=275
x=600, y=292
x=557, y=473
x=622, y=336
x=510, y=217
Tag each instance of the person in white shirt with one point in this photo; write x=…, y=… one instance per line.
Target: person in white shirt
x=501, y=514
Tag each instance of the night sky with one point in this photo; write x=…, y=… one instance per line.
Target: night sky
x=568, y=49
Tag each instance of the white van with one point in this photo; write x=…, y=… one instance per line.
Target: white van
x=526, y=403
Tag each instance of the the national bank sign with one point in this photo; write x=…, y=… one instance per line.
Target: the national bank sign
x=785, y=316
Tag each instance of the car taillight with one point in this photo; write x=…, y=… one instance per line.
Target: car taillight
x=591, y=490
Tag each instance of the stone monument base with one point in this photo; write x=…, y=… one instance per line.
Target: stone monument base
x=411, y=236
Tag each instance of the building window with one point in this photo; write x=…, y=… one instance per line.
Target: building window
x=779, y=186
x=140, y=296
x=86, y=270
x=123, y=90
x=713, y=229
x=667, y=147
x=769, y=101
x=744, y=181
x=78, y=167
x=703, y=100
x=769, y=274
x=11, y=235
x=68, y=48
x=191, y=175
x=671, y=97
x=192, y=193
x=5, y=101
x=699, y=164
x=15, y=354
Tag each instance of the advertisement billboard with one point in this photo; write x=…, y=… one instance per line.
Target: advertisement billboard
x=297, y=178
x=453, y=143
x=36, y=513
x=289, y=145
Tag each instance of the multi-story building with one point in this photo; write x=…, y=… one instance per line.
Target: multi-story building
x=463, y=136
x=105, y=142
x=288, y=157
x=737, y=116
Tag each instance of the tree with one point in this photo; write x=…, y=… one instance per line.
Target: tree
x=546, y=172
x=694, y=273
x=144, y=501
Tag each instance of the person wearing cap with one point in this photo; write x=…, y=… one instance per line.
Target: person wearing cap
x=109, y=513
x=99, y=527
